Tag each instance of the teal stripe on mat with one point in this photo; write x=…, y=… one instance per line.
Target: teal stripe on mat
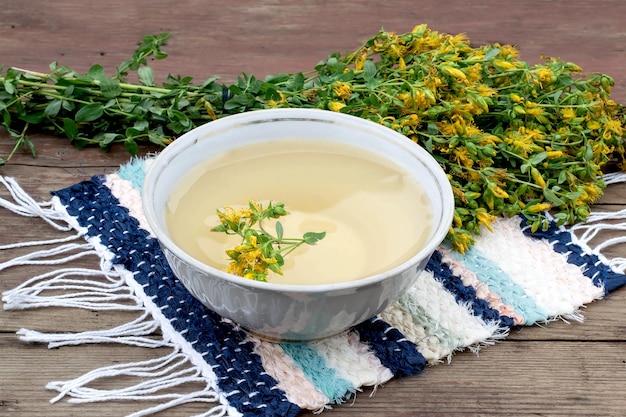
x=500, y=282
x=315, y=368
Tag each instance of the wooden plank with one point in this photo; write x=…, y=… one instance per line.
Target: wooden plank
x=275, y=37
x=545, y=378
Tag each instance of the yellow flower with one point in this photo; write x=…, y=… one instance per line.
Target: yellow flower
x=343, y=90
x=545, y=75
x=461, y=239
x=593, y=125
x=591, y=192
x=509, y=50
x=251, y=257
x=336, y=106
x=229, y=215
x=235, y=268
x=485, y=91
x=474, y=72
x=532, y=109
x=485, y=218
x=461, y=156
x=472, y=130
x=614, y=126
x=360, y=61
x=568, y=113
x=489, y=140
x=432, y=83
x=411, y=120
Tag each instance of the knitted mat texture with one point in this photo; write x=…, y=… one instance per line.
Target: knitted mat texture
x=510, y=278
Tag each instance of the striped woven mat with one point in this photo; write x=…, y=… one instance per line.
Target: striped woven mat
x=458, y=303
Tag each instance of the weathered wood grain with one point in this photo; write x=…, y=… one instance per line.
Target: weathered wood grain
x=559, y=369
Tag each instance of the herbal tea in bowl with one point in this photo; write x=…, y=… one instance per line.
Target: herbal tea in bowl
x=296, y=224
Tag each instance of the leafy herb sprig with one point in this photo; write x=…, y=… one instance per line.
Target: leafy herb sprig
x=514, y=138
x=259, y=251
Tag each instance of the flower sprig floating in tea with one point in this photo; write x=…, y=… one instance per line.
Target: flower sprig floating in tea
x=513, y=138
x=259, y=251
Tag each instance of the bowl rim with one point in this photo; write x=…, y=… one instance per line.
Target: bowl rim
x=191, y=137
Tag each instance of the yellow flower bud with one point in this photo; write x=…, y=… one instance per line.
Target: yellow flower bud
x=336, y=106
x=503, y=64
x=497, y=191
x=453, y=72
x=534, y=172
x=538, y=207
x=554, y=154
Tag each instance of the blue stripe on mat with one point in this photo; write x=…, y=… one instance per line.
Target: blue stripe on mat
x=241, y=376
x=393, y=350
x=464, y=294
x=591, y=265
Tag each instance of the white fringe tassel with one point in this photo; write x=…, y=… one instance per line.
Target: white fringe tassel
x=156, y=376
x=26, y=206
x=598, y=222
x=130, y=333
x=108, y=288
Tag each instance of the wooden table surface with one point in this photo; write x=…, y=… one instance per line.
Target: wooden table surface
x=557, y=369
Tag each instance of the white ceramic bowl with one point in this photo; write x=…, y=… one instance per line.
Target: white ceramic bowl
x=293, y=312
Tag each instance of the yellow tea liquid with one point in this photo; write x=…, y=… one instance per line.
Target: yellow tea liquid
x=375, y=215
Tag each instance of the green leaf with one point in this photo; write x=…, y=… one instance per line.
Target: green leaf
x=278, y=78
x=131, y=147
x=105, y=139
x=537, y=158
x=369, y=70
x=311, y=238
x=279, y=231
x=432, y=128
x=31, y=146
x=146, y=76
x=573, y=195
x=110, y=88
x=240, y=100
x=70, y=128
x=53, y=108
x=141, y=125
x=9, y=87
x=96, y=72
x=131, y=132
x=89, y=113
x=297, y=82
x=552, y=197
x=155, y=138
x=32, y=117
x=492, y=54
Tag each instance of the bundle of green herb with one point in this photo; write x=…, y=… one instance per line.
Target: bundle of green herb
x=513, y=138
